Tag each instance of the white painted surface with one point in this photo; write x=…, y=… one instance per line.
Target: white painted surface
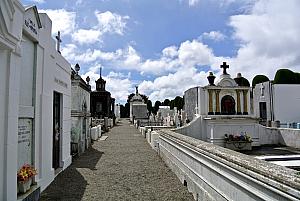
x=214, y=173
x=51, y=65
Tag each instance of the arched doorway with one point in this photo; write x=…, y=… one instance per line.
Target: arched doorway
x=227, y=105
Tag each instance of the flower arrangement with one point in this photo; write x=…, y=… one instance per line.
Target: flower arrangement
x=26, y=172
x=243, y=137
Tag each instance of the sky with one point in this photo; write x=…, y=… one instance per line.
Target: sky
x=168, y=46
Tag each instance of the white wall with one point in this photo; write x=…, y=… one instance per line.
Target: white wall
x=10, y=32
x=214, y=173
x=286, y=102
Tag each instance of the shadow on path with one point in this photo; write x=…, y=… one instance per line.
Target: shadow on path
x=70, y=185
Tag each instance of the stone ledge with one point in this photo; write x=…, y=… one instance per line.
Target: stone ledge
x=244, y=163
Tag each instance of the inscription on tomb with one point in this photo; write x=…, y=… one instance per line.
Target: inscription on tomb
x=31, y=25
x=61, y=83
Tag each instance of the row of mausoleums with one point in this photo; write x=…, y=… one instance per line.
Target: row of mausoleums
x=231, y=107
x=42, y=101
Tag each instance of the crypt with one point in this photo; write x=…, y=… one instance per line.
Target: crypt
x=36, y=105
x=221, y=108
x=102, y=104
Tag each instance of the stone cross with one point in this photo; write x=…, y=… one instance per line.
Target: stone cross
x=262, y=90
x=136, y=90
x=224, y=66
x=58, y=38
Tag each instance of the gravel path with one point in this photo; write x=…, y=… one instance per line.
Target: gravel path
x=123, y=167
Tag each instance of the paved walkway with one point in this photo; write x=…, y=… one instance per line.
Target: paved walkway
x=123, y=167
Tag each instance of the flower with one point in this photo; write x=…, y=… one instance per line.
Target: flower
x=243, y=137
x=26, y=172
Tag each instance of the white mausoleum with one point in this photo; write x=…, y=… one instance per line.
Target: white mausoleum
x=35, y=99
x=138, y=109
x=218, y=109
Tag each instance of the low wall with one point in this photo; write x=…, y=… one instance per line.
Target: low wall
x=192, y=129
x=284, y=136
x=215, y=173
x=289, y=137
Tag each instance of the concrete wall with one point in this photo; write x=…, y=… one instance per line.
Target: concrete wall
x=215, y=173
x=11, y=20
x=286, y=109
x=289, y=137
x=191, y=102
x=192, y=129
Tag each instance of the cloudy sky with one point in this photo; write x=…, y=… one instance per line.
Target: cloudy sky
x=168, y=46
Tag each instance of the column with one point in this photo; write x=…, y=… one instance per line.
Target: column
x=210, y=102
x=245, y=92
x=217, y=102
x=238, y=104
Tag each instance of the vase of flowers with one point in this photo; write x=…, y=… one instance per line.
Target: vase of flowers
x=24, y=177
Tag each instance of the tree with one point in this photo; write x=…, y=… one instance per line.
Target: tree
x=166, y=102
x=156, y=107
x=172, y=104
x=286, y=76
x=149, y=106
x=179, y=102
x=259, y=79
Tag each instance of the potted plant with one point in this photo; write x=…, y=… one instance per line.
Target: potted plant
x=24, y=177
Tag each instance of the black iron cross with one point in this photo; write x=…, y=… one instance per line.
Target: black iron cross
x=224, y=66
x=58, y=38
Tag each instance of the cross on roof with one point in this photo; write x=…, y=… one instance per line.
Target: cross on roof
x=136, y=90
x=224, y=66
x=58, y=38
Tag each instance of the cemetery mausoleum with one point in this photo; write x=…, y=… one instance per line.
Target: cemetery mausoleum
x=35, y=100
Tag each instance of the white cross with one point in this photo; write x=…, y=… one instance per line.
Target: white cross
x=58, y=38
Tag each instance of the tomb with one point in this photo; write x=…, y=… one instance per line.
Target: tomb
x=138, y=109
x=35, y=101
x=218, y=109
x=272, y=106
x=102, y=104
x=80, y=114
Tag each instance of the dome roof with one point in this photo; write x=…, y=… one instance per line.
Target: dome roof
x=136, y=98
x=241, y=81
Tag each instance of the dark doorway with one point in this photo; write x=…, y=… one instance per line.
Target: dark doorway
x=227, y=105
x=263, y=110
x=56, y=129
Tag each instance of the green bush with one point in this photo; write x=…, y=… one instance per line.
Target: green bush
x=259, y=79
x=286, y=76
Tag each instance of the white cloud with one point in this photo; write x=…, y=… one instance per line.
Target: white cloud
x=62, y=20
x=87, y=36
x=111, y=22
x=269, y=37
x=108, y=22
x=38, y=1
x=213, y=35
x=193, y=2
x=172, y=85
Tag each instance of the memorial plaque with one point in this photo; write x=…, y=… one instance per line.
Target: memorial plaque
x=24, y=142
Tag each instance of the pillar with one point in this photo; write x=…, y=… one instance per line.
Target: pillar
x=210, y=102
x=238, y=104
x=245, y=92
x=217, y=102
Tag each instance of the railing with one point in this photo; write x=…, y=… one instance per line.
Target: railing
x=216, y=173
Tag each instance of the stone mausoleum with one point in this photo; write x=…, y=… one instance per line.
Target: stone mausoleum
x=220, y=108
x=80, y=113
x=102, y=104
x=138, y=109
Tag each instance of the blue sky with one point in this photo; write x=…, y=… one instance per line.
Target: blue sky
x=168, y=46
